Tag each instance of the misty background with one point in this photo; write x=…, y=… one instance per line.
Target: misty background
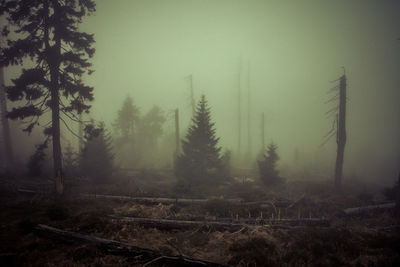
x=289, y=52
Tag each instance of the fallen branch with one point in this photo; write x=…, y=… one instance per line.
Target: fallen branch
x=143, y=255
x=165, y=224
x=295, y=203
x=232, y=226
x=367, y=209
x=162, y=200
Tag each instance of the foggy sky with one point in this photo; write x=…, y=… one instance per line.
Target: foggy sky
x=145, y=49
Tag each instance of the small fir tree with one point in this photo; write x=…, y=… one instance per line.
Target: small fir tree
x=96, y=160
x=267, y=165
x=200, y=161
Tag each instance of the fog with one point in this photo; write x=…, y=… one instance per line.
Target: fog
x=289, y=52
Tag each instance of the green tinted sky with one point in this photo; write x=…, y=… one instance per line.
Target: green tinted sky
x=146, y=48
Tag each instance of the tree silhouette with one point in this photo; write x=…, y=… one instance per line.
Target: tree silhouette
x=127, y=119
x=200, y=161
x=37, y=159
x=150, y=129
x=267, y=166
x=46, y=33
x=96, y=159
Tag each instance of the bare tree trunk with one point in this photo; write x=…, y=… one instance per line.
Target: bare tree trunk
x=8, y=151
x=192, y=96
x=249, y=145
x=262, y=133
x=341, y=132
x=177, y=149
x=239, y=112
x=233, y=225
x=120, y=248
x=55, y=117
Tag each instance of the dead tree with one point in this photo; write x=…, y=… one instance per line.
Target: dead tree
x=239, y=111
x=249, y=146
x=218, y=225
x=368, y=209
x=262, y=133
x=8, y=151
x=192, y=101
x=338, y=127
x=143, y=255
x=341, y=132
x=177, y=141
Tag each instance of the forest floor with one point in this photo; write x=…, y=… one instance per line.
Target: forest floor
x=369, y=239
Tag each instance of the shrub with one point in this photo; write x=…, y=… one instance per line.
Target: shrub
x=267, y=165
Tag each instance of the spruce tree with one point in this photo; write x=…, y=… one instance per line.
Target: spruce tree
x=46, y=33
x=127, y=119
x=267, y=165
x=96, y=160
x=149, y=130
x=125, y=130
x=200, y=161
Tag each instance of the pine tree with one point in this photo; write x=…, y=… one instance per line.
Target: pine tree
x=150, y=125
x=46, y=33
x=125, y=129
x=127, y=119
x=150, y=129
x=96, y=160
x=200, y=161
x=267, y=165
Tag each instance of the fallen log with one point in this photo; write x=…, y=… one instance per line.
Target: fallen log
x=190, y=201
x=143, y=255
x=163, y=200
x=233, y=225
x=165, y=224
x=367, y=209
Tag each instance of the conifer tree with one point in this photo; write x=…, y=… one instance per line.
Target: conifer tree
x=37, y=160
x=267, y=165
x=200, y=161
x=125, y=133
x=96, y=159
x=127, y=119
x=46, y=33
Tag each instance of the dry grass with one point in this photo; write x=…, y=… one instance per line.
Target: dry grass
x=351, y=241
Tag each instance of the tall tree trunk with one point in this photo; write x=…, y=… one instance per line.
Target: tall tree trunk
x=55, y=118
x=262, y=134
x=53, y=59
x=249, y=145
x=192, y=96
x=341, y=132
x=177, y=138
x=8, y=151
x=239, y=113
